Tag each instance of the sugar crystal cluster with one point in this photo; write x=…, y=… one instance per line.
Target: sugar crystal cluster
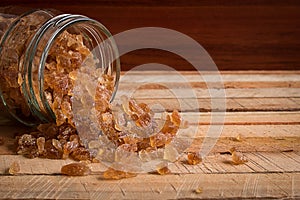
x=87, y=125
x=60, y=140
x=131, y=125
x=54, y=142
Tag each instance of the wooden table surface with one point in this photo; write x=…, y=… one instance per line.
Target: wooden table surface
x=262, y=120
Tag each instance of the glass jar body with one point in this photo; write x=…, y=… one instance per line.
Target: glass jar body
x=39, y=53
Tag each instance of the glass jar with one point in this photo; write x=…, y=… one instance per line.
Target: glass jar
x=27, y=55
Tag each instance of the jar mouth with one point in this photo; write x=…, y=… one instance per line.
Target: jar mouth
x=98, y=39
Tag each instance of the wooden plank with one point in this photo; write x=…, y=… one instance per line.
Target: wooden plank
x=210, y=77
x=232, y=104
x=281, y=161
x=184, y=85
x=248, y=131
x=242, y=118
x=214, y=164
x=188, y=93
x=40, y=166
x=212, y=186
x=272, y=104
x=212, y=145
x=258, y=162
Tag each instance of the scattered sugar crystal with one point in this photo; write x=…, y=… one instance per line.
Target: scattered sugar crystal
x=193, y=158
x=114, y=174
x=170, y=153
x=14, y=168
x=238, y=158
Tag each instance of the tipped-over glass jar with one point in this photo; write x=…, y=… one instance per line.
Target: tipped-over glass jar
x=40, y=55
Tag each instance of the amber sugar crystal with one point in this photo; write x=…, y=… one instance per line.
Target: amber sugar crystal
x=76, y=169
x=193, y=158
x=115, y=174
x=237, y=157
x=163, y=170
x=14, y=168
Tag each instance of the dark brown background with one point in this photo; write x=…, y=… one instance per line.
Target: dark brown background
x=245, y=34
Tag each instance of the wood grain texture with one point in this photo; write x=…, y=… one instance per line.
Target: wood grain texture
x=191, y=91
x=258, y=162
x=213, y=186
x=237, y=34
x=262, y=120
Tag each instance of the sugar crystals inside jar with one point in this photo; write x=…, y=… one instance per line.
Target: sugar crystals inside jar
x=40, y=54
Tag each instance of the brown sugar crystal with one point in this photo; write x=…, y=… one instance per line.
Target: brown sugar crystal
x=76, y=169
x=51, y=151
x=199, y=190
x=14, y=168
x=27, y=146
x=193, y=158
x=81, y=153
x=40, y=145
x=163, y=170
x=114, y=174
x=237, y=157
